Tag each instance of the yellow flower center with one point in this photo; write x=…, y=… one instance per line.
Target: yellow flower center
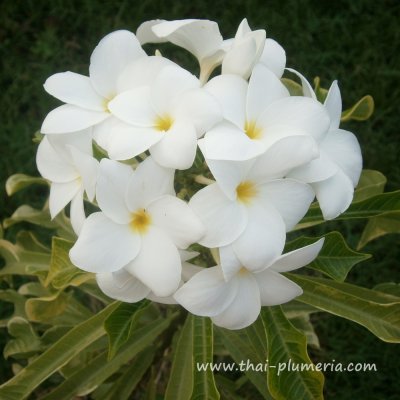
x=246, y=191
x=252, y=130
x=106, y=102
x=164, y=123
x=140, y=221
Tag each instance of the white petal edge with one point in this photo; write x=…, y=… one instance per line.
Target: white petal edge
x=103, y=245
x=297, y=258
x=158, y=264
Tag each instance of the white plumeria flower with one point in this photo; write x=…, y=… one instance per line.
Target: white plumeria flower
x=250, y=207
x=67, y=162
x=123, y=286
x=114, y=135
x=335, y=173
x=257, y=115
x=200, y=37
x=236, y=303
x=87, y=98
x=244, y=52
x=166, y=118
x=140, y=228
x=273, y=57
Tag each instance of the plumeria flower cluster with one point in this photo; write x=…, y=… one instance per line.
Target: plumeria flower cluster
x=265, y=156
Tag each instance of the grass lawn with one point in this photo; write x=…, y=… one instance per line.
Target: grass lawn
x=356, y=42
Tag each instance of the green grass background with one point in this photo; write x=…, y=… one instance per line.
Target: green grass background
x=356, y=42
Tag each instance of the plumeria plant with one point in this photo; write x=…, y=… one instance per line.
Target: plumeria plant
x=179, y=206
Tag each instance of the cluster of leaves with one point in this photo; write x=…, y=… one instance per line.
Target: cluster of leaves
x=68, y=339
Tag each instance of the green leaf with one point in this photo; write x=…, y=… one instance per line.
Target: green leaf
x=390, y=288
x=180, y=382
x=57, y=308
x=88, y=377
x=26, y=253
x=378, y=312
x=26, y=342
x=42, y=218
x=27, y=213
x=293, y=87
x=371, y=183
x=380, y=226
x=62, y=272
x=371, y=207
x=335, y=259
x=286, y=344
x=295, y=308
x=20, y=181
x=11, y=296
x=126, y=384
x=248, y=346
x=194, y=347
x=360, y=111
x=203, y=381
x=303, y=324
x=77, y=339
x=121, y=323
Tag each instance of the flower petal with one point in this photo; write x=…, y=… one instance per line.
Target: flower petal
x=134, y=107
x=199, y=37
x=263, y=238
x=282, y=156
x=77, y=212
x=226, y=142
x=333, y=104
x=141, y=72
x=344, y=150
x=276, y=289
x=316, y=170
x=297, y=258
x=102, y=132
x=52, y=165
x=158, y=264
x=75, y=89
x=177, y=148
x=128, y=141
x=334, y=194
x=240, y=58
x=273, y=57
x=113, y=53
x=230, y=264
x=61, y=194
x=308, y=91
x=264, y=88
x=69, y=118
x=200, y=108
x=103, y=245
x=177, y=220
x=169, y=85
x=230, y=91
x=207, y=294
x=229, y=174
x=293, y=116
x=145, y=32
x=81, y=140
x=223, y=219
x=88, y=168
x=149, y=182
x=112, y=182
x=245, y=307
x=290, y=198
x=122, y=286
